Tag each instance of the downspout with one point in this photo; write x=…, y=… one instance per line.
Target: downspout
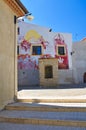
x=15, y=59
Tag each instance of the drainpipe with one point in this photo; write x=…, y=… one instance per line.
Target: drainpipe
x=15, y=59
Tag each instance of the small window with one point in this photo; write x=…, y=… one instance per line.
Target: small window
x=36, y=50
x=84, y=77
x=18, y=30
x=18, y=50
x=61, y=50
x=48, y=72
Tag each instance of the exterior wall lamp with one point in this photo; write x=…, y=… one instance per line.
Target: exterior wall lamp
x=27, y=16
x=72, y=53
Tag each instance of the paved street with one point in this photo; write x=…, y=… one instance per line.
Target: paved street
x=63, y=92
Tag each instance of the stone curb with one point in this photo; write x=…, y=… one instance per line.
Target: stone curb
x=46, y=108
x=53, y=100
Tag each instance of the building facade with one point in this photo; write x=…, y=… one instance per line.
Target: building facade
x=36, y=43
x=79, y=61
x=9, y=10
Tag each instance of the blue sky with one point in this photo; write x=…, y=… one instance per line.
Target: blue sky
x=66, y=16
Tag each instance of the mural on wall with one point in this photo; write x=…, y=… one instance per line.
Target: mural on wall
x=46, y=56
x=36, y=42
x=25, y=45
x=61, y=52
x=32, y=37
x=28, y=61
x=35, y=38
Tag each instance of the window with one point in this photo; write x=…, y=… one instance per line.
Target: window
x=61, y=50
x=18, y=30
x=85, y=77
x=18, y=50
x=48, y=72
x=36, y=50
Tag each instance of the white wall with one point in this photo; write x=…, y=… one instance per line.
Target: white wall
x=79, y=60
x=50, y=49
x=65, y=77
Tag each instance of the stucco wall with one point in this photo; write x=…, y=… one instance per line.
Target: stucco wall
x=65, y=77
x=28, y=78
x=79, y=61
x=30, y=35
x=7, y=55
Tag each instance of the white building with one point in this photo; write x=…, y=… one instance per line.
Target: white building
x=79, y=61
x=34, y=43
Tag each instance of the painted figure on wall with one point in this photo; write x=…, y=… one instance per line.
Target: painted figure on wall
x=26, y=62
x=61, y=52
x=33, y=45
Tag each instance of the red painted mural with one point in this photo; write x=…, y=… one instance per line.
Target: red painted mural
x=26, y=62
x=61, y=52
x=43, y=42
x=25, y=45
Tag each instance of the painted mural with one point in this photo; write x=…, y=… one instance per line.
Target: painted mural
x=35, y=38
x=26, y=62
x=25, y=45
x=61, y=52
x=30, y=61
x=36, y=42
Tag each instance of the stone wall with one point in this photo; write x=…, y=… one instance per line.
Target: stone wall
x=48, y=82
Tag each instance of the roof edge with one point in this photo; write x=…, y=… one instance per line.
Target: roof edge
x=22, y=6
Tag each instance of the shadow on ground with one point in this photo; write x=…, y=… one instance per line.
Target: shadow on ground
x=66, y=86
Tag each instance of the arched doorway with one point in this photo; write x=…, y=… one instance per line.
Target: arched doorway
x=84, y=77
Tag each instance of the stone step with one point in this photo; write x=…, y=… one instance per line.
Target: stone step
x=52, y=100
x=55, y=107
x=73, y=119
x=11, y=126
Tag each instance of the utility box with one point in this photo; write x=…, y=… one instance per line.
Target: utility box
x=48, y=72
